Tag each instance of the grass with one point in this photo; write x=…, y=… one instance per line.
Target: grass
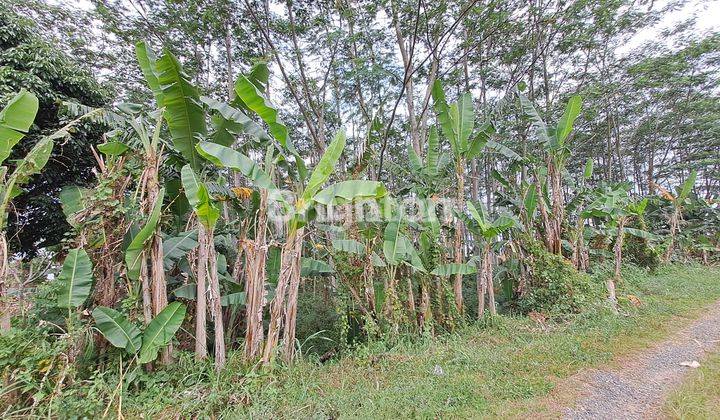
x=699, y=396
x=504, y=367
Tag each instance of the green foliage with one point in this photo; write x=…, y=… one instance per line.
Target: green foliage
x=161, y=330
x=35, y=63
x=123, y=334
x=76, y=278
x=199, y=198
x=133, y=254
x=183, y=110
x=116, y=328
x=555, y=287
x=638, y=251
x=15, y=121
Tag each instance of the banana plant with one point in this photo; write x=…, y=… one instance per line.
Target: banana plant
x=308, y=195
x=142, y=345
x=679, y=201
x=554, y=140
x=207, y=213
x=457, y=121
x=482, y=226
x=614, y=205
x=15, y=121
x=178, y=98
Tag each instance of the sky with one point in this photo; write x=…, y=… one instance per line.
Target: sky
x=707, y=19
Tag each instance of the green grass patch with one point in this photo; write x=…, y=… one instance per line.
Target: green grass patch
x=498, y=368
x=699, y=396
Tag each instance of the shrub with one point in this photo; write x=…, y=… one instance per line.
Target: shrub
x=638, y=251
x=555, y=286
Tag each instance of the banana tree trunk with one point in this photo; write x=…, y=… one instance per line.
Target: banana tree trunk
x=485, y=283
x=215, y=303
x=412, y=310
x=255, y=256
x=547, y=224
x=4, y=300
x=457, y=247
x=618, y=262
x=277, y=306
x=201, y=297
x=558, y=208
x=580, y=257
x=674, y=221
x=489, y=279
x=292, y=300
x=368, y=275
x=424, y=312
x=145, y=285
x=481, y=289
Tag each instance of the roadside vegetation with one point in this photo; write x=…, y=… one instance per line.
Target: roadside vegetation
x=208, y=232
x=699, y=396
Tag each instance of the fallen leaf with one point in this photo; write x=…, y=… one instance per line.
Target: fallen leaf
x=634, y=300
x=694, y=364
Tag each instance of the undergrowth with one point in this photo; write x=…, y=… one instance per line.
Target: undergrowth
x=500, y=366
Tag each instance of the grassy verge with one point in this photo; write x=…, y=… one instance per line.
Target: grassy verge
x=699, y=396
x=500, y=369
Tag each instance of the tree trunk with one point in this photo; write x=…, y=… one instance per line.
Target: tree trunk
x=292, y=301
x=674, y=221
x=618, y=261
x=580, y=257
x=425, y=313
x=215, y=304
x=460, y=202
x=277, y=307
x=256, y=254
x=412, y=310
x=489, y=279
x=146, y=292
x=481, y=288
x=201, y=298
x=5, y=315
x=159, y=288
x=558, y=208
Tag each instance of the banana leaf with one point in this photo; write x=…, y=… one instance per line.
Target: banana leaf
x=348, y=191
x=232, y=299
x=161, y=330
x=15, y=121
x=183, y=110
x=76, y=278
x=232, y=159
x=134, y=251
x=324, y=168
x=230, y=122
x=313, y=268
x=565, y=125
x=199, y=198
x=120, y=332
x=349, y=245
x=446, y=270
x=253, y=99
